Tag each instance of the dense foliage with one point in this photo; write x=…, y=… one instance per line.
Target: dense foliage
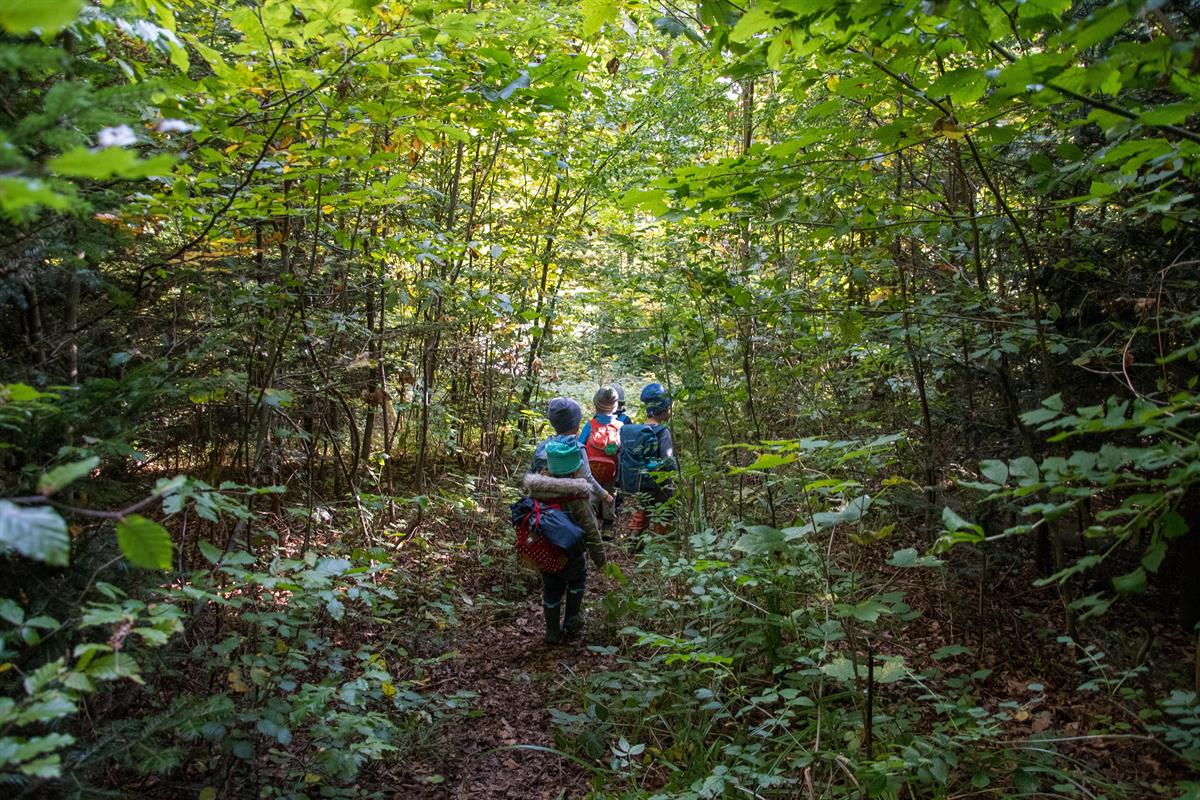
x=285, y=285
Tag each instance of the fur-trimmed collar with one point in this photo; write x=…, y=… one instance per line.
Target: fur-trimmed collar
x=541, y=486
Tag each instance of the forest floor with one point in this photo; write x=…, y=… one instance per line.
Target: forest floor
x=505, y=750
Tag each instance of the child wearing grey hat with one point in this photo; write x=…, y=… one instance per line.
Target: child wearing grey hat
x=620, y=413
x=600, y=439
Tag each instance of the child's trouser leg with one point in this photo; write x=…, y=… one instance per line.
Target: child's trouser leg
x=575, y=576
x=553, y=585
x=605, y=512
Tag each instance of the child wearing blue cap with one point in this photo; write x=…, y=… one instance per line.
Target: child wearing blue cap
x=657, y=402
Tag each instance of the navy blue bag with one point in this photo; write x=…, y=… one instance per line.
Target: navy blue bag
x=639, y=455
x=548, y=520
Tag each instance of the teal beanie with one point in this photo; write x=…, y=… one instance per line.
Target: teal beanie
x=563, y=458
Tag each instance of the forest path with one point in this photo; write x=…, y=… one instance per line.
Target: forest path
x=517, y=680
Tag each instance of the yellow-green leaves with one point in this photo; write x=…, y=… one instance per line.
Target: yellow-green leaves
x=144, y=542
x=44, y=16
x=652, y=201
x=109, y=162
x=756, y=20
x=598, y=13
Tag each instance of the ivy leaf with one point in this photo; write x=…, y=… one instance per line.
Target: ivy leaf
x=144, y=542
x=59, y=477
x=38, y=533
x=46, y=16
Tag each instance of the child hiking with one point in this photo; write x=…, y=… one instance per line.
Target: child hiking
x=601, y=439
x=564, y=415
x=648, y=462
x=620, y=414
x=562, y=484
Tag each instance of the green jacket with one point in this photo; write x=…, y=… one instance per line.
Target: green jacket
x=572, y=494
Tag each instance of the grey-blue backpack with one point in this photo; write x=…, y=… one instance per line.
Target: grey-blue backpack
x=639, y=455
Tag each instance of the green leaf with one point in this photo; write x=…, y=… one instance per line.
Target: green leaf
x=109, y=162
x=851, y=325
x=840, y=669
x=771, y=460
x=1039, y=415
x=1153, y=557
x=46, y=16
x=949, y=651
x=38, y=533
x=760, y=539
x=59, y=477
x=211, y=553
x=144, y=542
x=1131, y=583
x=276, y=731
x=995, y=471
x=11, y=612
x=1172, y=525
x=754, y=21
x=954, y=522
x=19, y=193
x=115, y=666
x=908, y=558
x=1099, y=25
x=650, y=200
x=596, y=13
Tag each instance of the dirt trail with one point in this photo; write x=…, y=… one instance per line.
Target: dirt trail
x=517, y=680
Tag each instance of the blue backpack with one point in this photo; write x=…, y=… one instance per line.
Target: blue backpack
x=639, y=455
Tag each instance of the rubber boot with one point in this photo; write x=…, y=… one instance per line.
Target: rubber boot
x=573, y=623
x=554, y=634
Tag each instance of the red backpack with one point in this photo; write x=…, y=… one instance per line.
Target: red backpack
x=603, y=444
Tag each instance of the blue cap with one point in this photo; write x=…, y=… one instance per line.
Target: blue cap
x=655, y=398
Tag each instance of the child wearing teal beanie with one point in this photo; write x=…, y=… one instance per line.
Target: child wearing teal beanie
x=562, y=481
x=559, y=472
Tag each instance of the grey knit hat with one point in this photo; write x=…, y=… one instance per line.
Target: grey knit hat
x=616, y=387
x=605, y=400
x=564, y=414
